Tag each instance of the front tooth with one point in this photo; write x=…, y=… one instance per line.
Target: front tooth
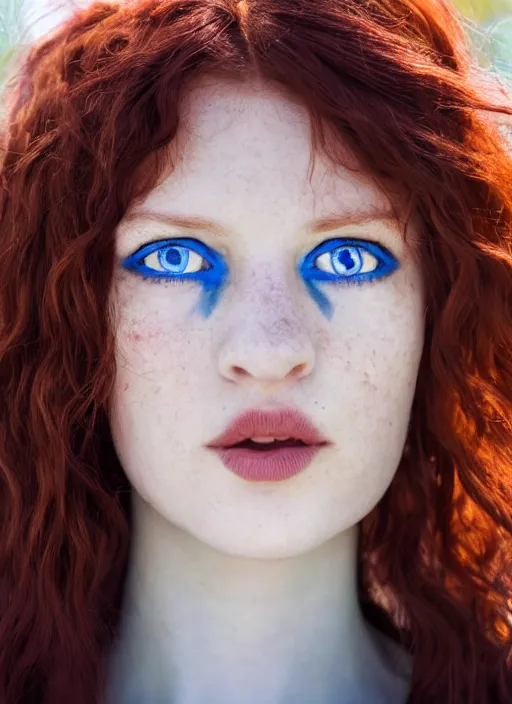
x=264, y=439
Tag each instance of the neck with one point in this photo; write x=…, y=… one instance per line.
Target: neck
x=203, y=626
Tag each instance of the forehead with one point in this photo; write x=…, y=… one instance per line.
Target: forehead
x=246, y=143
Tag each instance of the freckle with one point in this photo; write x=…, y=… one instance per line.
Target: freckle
x=368, y=383
x=134, y=336
x=324, y=339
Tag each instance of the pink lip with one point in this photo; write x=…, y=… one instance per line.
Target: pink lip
x=268, y=465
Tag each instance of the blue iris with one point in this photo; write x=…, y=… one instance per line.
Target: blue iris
x=347, y=260
x=174, y=259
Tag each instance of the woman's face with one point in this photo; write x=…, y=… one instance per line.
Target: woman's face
x=243, y=284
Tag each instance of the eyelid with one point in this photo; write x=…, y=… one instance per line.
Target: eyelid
x=153, y=245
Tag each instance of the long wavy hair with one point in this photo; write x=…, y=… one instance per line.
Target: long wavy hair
x=92, y=116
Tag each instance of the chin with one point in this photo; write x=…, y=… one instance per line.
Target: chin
x=265, y=543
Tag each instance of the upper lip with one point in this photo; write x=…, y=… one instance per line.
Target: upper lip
x=281, y=422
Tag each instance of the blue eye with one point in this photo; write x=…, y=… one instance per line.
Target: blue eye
x=180, y=260
x=347, y=261
x=183, y=259
x=175, y=259
x=344, y=262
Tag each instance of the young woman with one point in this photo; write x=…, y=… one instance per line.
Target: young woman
x=255, y=359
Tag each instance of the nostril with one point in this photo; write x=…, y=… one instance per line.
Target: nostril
x=296, y=372
x=299, y=370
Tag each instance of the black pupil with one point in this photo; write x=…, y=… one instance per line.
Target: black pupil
x=173, y=256
x=346, y=259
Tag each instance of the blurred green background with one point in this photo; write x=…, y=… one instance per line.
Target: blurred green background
x=10, y=30
x=484, y=10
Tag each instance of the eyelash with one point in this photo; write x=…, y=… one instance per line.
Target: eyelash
x=385, y=260
x=173, y=281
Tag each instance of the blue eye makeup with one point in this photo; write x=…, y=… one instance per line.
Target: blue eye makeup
x=180, y=260
x=344, y=262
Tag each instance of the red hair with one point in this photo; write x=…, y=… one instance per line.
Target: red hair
x=91, y=116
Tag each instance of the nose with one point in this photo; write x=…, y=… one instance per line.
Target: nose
x=267, y=344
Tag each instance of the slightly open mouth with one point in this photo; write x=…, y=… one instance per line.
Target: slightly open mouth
x=263, y=446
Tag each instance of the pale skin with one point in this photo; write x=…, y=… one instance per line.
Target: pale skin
x=241, y=591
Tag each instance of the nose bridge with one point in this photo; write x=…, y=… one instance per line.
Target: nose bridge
x=271, y=304
x=276, y=332
x=268, y=337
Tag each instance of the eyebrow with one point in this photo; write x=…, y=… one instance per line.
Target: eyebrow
x=324, y=224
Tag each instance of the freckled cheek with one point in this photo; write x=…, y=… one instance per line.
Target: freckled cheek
x=152, y=348
x=162, y=357
x=324, y=340
x=158, y=352
x=153, y=333
x=377, y=345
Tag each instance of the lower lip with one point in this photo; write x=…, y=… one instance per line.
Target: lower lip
x=267, y=465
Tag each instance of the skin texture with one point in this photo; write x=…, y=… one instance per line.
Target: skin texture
x=229, y=577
